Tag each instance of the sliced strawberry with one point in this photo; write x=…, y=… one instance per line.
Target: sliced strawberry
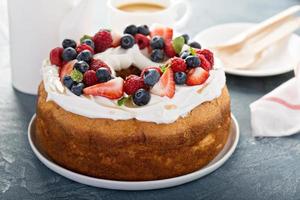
x=169, y=49
x=116, y=37
x=151, y=67
x=67, y=69
x=166, y=85
x=197, y=76
x=112, y=89
x=165, y=32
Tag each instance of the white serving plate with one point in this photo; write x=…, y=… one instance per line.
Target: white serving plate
x=278, y=59
x=223, y=156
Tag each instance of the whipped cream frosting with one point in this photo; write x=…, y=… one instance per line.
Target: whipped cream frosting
x=160, y=110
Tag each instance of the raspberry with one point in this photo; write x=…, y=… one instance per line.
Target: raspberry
x=132, y=84
x=83, y=47
x=97, y=63
x=103, y=40
x=204, y=63
x=178, y=64
x=151, y=67
x=142, y=40
x=208, y=55
x=56, y=56
x=90, y=78
x=169, y=49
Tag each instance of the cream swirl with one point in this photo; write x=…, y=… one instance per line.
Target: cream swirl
x=159, y=110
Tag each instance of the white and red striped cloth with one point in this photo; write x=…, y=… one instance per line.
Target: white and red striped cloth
x=278, y=112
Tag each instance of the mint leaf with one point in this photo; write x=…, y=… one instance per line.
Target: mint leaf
x=76, y=76
x=164, y=68
x=192, y=51
x=84, y=38
x=123, y=100
x=178, y=44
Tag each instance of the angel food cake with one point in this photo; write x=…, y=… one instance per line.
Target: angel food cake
x=141, y=105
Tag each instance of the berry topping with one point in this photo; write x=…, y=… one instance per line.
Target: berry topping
x=131, y=29
x=166, y=85
x=208, y=55
x=180, y=78
x=68, y=82
x=83, y=47
x=89, y=42
x=184, y=54
x=151, y=77
x=196, y=76
x=95, y=64
x=112, y=89
x=77, y=89
x=157, y=55
x=90, y=78
x=178, y=64
x=103, y=75
x=69, y=43
x=69, y=54
x=85, y=55
x=103, y=40
x=195, y=45
x=127, y=41
x=157, y=42
x=133, y=83
x=141, y=97
x=67, y=69
x=204, y=63
x=192, y=61
x=186, y=38
x=169, y=49
x=76, y=76
x=151, y=67
x=142, y=40
x=164, y=32
x=143, y=29
x=81, y=66
x=56, y=56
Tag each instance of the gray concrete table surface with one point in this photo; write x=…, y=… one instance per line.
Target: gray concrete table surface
x=266, y=168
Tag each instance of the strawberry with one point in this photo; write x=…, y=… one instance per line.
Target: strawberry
x=164, y=32
x=133, y=83
x=204, y=63
x=67, y=69
x=166, y=85
x=151, y=67
x=116, y=37
x=95, y=64
x=169, y=49
x=83, y=47
x=112, y=89
x=55, y=56
x=103, y=40
x=196, y=76
x=90, y=78
x=178, y=64
x=208, y=55
x=142, y=40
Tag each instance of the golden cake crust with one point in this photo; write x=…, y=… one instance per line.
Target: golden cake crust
x=132, y=149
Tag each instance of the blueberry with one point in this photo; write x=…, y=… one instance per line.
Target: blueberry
x=77, y=89
x=151, y=77
x=192, y=61
x=141, y=97
x=186, y=38
x=69, y=43
x=81, y=66
x=69, y=54
x=68, y=82
x=143, y=29
x=157, y=55
x=85, y=55
x=131, y=29
x=157, y=42
x=89, y=42
x=184, y=54
x=103, y=75
x=127, y=41
x=195, y=45
x=180, y=78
